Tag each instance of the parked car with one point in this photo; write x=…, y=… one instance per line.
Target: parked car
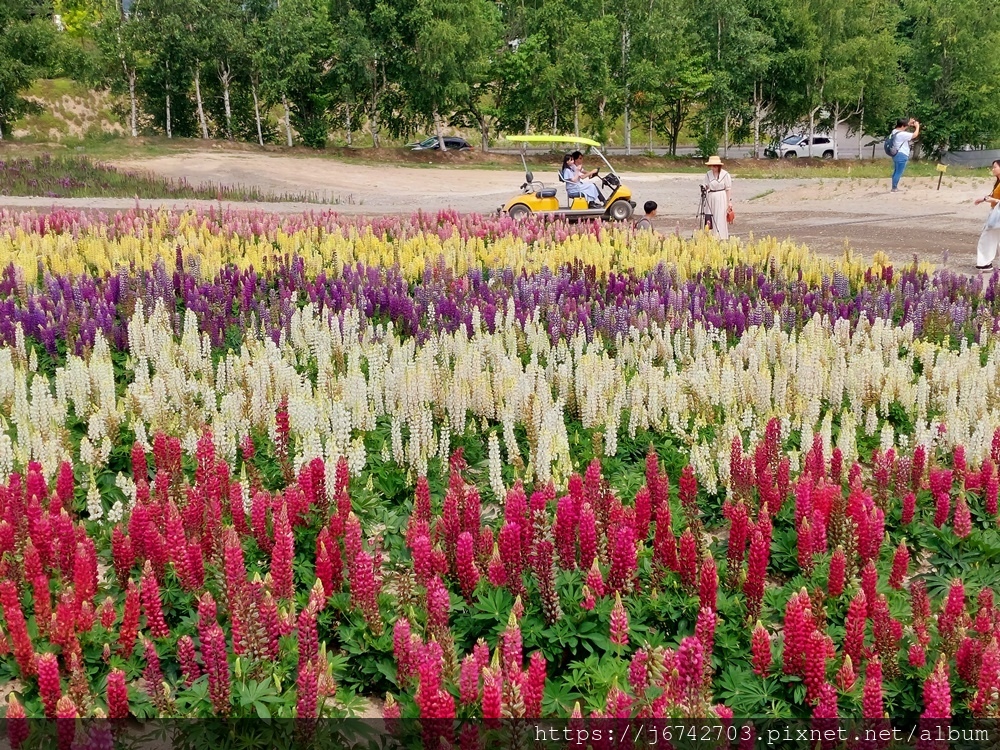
x=798, y=145
x=452, y=143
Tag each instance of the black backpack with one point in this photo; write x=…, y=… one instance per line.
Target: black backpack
x=889, y=146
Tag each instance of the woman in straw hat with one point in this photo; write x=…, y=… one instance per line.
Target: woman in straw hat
x=719, y=196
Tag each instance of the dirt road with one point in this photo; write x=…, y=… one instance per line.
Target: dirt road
x=822, y=213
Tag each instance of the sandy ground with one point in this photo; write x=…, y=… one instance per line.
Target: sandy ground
x=936, y=226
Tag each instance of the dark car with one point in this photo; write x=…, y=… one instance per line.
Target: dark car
x=452, y=143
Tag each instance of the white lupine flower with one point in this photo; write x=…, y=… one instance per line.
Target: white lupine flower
x=887, y=437
x=95, y=508
x=116, y=513
x=6, y=456
x=88, y=456
x=871, y=421
x=356, y=456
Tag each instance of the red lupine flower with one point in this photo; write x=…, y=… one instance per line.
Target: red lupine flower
x=805, y=548
x=533, y=685
x=937, y=692
x=595, y=582
x=967, y=659
x=588, y=602
x=433, y=702
x=150, y=591
x=423, y=563
x=814, y=664
x=510, y=554
x=845, y=675
x=900, y=564
x=690, y=670
x=511, y=647
x=213, y=648
x=688, y=559
x=492, y=702
x=17, y=723
x=688, y=491
x=258, y=520
x=308, y=637
x=708, y=583
x=130, y=619
x=705, y=632
x=942, y=508
x=953, y=615
x=565, y=532
x=324, y=567
x=619, y=622
x=43, y=602
x=282, y=555
x=402, y=647
x=366, y=584
x=869, y=584
x=909, y=508
x=438, y=607
x=797, y=628
x=963, y=519
x=643, y=513
x=152, y=674
x=307, y=692
x=49, y=689
x=739, y=530
x=106, y=613
x=760, y=648
x=64, y=485
x=66, y=728
x=756, y=573
x=465, y=563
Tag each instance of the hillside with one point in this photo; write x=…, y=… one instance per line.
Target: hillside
x=67, y=110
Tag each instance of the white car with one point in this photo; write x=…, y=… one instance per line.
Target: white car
x=798, y=145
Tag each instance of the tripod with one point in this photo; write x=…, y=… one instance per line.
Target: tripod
x=704, y=215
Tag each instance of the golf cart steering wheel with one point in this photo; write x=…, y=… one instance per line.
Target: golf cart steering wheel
x=611, y=180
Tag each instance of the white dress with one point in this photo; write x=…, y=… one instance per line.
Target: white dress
x=718, y=204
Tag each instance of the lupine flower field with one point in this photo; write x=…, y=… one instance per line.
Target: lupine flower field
x=454, y=466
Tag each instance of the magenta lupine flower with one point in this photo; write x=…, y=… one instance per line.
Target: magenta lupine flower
x=49, y=689
x=565, y=532
x=511, y=648
x=496, y=573
x=465, y=563
x=854, y=626
x=282, y=555
x=643, y=513
x=307, y=692
x=638, y=672
x=909, y=508
x=510, y=554
x=308, y=638
x=760, y=648
x=753, y=588
x=153, y=674
x=151, y=606
x=845, y=675
x=431, y=699
x=588, y=602
x=690, y=669
x=708, y=583
x=588, y=536
x=871, y=701
x=187, y=656
x=739, y=530
x=130, y=619
x=438, y=607
x=492, y=701
x=963, y=519
x=688, y=559
x=813, y=666
x=869, y=584
x=937, y=692
x=916, y=656
x=366, y=585
x=837, y=574
x=826, y=703
x=619, y=622
x=900, y=564
x=623, y=560
x=988, y=682
x=468, y=681
x=17, y=723
x=533, y=685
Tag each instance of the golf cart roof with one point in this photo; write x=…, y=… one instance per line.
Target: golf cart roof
x=552, y=139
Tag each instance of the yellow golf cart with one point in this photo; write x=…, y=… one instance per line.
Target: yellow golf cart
x=536, y=198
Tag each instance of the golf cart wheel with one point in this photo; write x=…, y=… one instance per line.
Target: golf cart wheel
x=520, y=212
x=791, y=155
x=620, y=210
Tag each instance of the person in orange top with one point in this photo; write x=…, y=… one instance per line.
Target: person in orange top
x=989, y=240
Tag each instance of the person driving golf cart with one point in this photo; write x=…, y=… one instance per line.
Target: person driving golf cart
x=577, y=182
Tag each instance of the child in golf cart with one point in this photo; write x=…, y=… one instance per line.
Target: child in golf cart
x=571, y=172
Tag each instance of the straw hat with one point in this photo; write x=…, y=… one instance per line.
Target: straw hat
x=714, y=161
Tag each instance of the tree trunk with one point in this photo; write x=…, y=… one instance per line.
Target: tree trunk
x=197, y=96
x=374, y=114
x=628, y=132
x=439, y=132
x=134, y=118
x=836, y=135
x=484, y=133
x=555, y=119
x=861, y=135
x=1, y=131
x=756, y=123
x=651, y=134
x=169, y=132
x=288, y=121
x=224, y=78
x=347, y=119
x=725, y=137
x=256, y=113
x=576, y=118
x=812, y=129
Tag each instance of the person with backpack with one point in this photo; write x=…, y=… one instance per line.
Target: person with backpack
x=897, y=145
x=646, y=222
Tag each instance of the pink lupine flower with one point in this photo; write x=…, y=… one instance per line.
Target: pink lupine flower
x=17, y=723
x=619, y=622
x=533, y=685
x=402, y=648
x=942, y=508
x=900, y=564
x=423, y=562
x=963, y=519
x=565, y=532
x=708, y=583
x=909, y=508
x=468, y=681
x=688, y=491
x=967, y=659
x=838, y=568
x=869, y=584
x=130, y=620
x=916, y=656
x=258, y=520
x=953, y=616
x=431, y=699
x=65, y=729
x=307, y=692
x=324, y=566
x=188, y=659
x=814, y=664
x=366, y=585
x=845, y=675
x=282, y=555
x=213, y=647
x=937, y=692
x=826, y=703
x=153, y=674
x=739, y=530
x=496, y=573
x=49, y=688
x=623, y=560
x=871, y=701
x=690, y=669
x=465, y=563
x=664, y=541
x=308, y=637
x=638, y=672
x=854, y=626
x=438, y=607
x=760, y=648
x=153, y=609
x=988, y=680
x=492, y=702
x=643, y=513
x=756, y=572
